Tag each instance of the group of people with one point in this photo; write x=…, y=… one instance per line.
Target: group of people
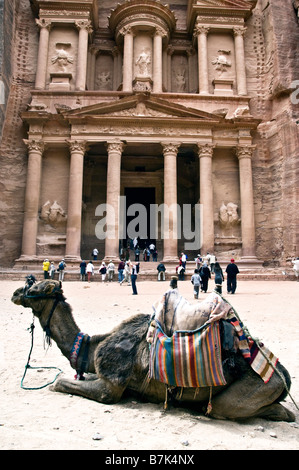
x=203, y=272
x=127, y=272
x=49, y=269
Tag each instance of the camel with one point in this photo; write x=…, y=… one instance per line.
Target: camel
x=117, y=364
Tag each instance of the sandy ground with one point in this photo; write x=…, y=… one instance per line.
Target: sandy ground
x=41, y=419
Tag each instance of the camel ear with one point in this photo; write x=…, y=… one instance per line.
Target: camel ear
x=50, y=288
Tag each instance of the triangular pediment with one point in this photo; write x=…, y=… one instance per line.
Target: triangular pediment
x=141, y=106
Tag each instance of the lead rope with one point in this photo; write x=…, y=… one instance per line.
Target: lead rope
x=31, y=330
x=247, y=334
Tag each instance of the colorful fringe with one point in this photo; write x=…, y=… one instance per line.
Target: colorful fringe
x=188, y=358
x=260, y=358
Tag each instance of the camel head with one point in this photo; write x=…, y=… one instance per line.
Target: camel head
x=36, y=296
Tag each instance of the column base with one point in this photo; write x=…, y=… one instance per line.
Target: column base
x=250, y=262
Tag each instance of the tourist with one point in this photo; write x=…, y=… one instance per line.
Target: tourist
x=134, y=273
x=198, y=262
x=89, y=270
x=95, y=253
x=126, y=274
x=52, y=270
x=183, y=260
x=232, y=270
x=174, y=282
x=110, y=271
x=205, y=275
x=181, y=272
x=219, y=278
x=46, y=267
x=137, y=253
x=61, y=268
x=196, y=281
x=103, y=271
x=295, y=263
x=161, y=271
x=82, y=270
x=212, y=262
x=121, y=267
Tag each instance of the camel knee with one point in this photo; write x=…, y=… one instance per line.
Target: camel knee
x=97, y=390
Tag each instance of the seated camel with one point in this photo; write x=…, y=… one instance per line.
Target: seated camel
x=120, y=362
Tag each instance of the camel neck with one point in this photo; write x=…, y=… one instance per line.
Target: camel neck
x=57, y=321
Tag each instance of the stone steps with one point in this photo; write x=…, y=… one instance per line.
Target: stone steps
x=148, y=272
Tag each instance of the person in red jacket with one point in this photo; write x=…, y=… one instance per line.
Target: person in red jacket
x=232, y=270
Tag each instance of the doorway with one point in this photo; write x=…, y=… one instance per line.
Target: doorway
x=138, y=220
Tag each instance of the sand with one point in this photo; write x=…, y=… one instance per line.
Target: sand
x=44, y=420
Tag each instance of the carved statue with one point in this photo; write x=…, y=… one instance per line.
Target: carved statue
x=228, y=215
x=222, y=62
x=104, y=80
x=143, y=63
x=53, y=214
x=180, y=80
x=62, y=59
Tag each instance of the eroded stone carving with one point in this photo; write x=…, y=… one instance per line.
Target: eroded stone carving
x=53, y=214
x=104, y=80
x=143, y=64
x=62, y=59
x=221, y=62
x=228, y=215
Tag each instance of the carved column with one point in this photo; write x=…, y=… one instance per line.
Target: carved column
x=169, y=71
x=170, y=151
x=128, y=58
x=84, y=27
x=240, y=60
x=42, y=59
x=93, y=50
x=157, y=67
x=73, y=231
x=115, y=149
x=202, y=41
x=32, y=194
x=206, y=196
x=244, y=154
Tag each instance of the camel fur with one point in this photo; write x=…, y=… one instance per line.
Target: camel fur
x=118, y=364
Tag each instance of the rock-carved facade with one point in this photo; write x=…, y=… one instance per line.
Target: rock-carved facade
x=152, y=102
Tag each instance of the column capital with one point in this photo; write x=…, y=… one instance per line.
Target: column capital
x=43, y=23
x=115, y=145
x=160, y=32
x=170, y=147
x=239, y=30
x=84, y=24
x=245, y=151
x=126, y=30
x=201, y=29
x=77, y=146
x=36, y=145
x=205, y=150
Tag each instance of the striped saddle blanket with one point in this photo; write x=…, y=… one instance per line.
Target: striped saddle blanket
x=260, y=358
x=187, y=358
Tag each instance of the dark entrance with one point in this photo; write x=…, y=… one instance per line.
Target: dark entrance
x=138, y=201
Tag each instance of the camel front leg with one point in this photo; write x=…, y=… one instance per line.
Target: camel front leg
x=100, y=390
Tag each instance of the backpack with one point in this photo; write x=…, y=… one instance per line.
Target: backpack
x=61, y=266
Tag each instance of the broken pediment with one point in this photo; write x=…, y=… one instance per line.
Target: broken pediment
x=139, y=106
x=230, y=4
x=210, y=10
